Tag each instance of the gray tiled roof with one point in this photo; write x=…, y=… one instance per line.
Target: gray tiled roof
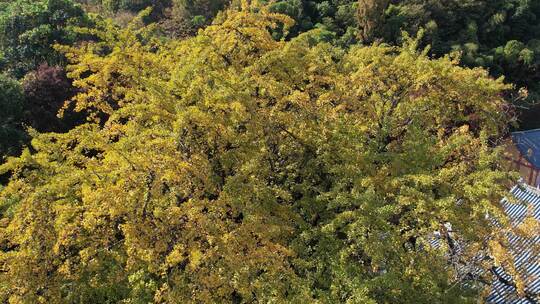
x=526, y=203
x=527, y=260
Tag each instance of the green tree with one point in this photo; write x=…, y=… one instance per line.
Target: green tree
x=28, y=29
x=12, y=133
x=185, y=17
x=335, y=19
x=233, y=167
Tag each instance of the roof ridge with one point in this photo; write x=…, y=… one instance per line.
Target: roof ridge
x=526, y=131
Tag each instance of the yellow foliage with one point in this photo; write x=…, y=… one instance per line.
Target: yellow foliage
x=234, y=167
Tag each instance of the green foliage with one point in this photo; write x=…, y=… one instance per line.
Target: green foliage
x=234, y=168
x=28, y=29
x=11, y=107
x=337, y=17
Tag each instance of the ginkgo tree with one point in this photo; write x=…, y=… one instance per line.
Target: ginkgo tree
x=234, y=168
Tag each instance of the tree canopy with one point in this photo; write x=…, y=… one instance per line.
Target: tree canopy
x=502, y=36
x=232, y=167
